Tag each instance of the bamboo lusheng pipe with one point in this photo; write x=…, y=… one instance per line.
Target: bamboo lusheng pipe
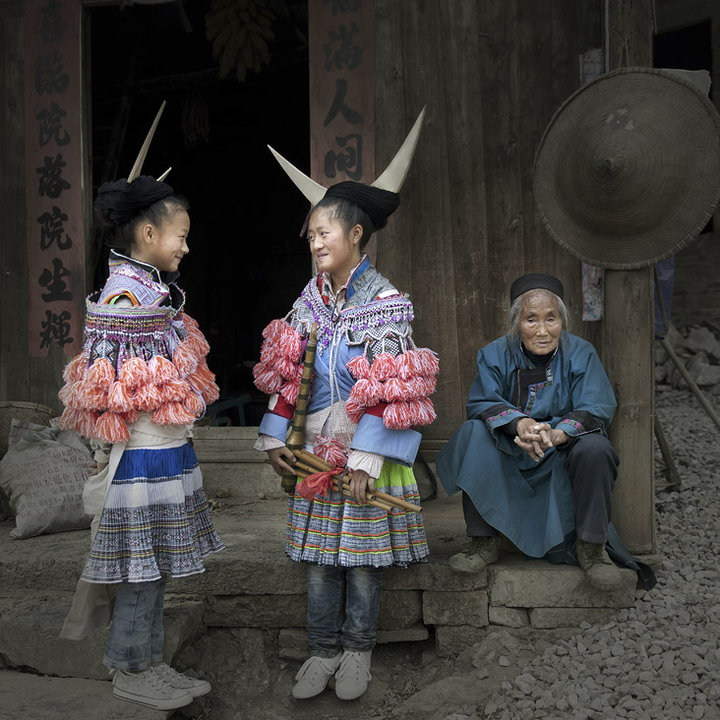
x=319, y=465
x=296, y=438
x=370, y=498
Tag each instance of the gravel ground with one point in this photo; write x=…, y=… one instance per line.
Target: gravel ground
x=657, y=660
x=660, y=659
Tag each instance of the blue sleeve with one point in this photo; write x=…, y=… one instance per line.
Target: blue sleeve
x=489, y=396
x=274, y=425
x=592, y=398
x=399, y=446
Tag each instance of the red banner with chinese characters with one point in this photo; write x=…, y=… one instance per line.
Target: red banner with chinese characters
x=53, y=155
x=342, y=91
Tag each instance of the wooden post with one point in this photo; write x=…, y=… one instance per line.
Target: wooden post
x=628, y=332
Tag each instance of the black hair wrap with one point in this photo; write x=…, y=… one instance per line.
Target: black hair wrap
x=377, y=203
x=120, y=201
x=535, y=281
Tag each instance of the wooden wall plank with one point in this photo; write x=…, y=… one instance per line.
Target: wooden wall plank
x=14, y=368
x=628, y=331
x=468, y=224
x=413, y=250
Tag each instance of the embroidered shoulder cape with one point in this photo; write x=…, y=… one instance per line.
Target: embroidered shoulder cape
x=148, y=358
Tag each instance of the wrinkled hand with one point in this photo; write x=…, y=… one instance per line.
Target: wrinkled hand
x=535, y=437
x=360, y=484
x=282, y=460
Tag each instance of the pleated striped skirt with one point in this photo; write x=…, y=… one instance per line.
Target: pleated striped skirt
x=155, y=520
x=335, y=530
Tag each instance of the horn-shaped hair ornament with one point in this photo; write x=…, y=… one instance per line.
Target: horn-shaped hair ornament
x=391, y=179
x=137, y=167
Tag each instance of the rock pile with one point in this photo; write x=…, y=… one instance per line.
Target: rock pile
x=661, y=658
x=699, y=350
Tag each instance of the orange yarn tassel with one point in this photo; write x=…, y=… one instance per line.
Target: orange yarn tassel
x=147, y=398
x=119, y=398
x=172, y=414
x=184, y=359
x=75, y=369
x=101, y=374
x=112, y=428
x=162, y=370
x=135, y=373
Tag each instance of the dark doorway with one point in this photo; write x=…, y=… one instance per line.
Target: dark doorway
x=247, y=262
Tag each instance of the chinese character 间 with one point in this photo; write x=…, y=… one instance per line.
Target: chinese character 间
x=349, y=162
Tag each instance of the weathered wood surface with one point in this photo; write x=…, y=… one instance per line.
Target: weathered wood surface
x=14, y=367
x=491, y=74
x=628, y=331
x=21, y=377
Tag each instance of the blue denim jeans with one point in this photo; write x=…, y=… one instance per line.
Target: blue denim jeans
x=343, y=604
x=136, y=635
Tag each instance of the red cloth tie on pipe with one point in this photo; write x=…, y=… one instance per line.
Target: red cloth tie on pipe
x=318, y=483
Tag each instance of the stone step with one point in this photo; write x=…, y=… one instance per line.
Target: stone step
x=232, y=470
x=25, y=696
x=30, y=626
x=252, y=586
x=236, y=473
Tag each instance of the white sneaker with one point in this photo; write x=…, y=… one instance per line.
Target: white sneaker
x=352, y=679
x=195, y=686
x=313, y=676
x=148, y=688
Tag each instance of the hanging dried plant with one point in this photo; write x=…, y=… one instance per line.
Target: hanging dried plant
x=239, y=31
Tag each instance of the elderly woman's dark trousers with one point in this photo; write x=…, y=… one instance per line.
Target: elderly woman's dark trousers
x=591, y=464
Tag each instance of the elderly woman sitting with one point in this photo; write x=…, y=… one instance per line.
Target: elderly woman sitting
x=532, y=460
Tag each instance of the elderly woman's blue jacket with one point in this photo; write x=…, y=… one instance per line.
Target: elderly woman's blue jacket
x=529, y=502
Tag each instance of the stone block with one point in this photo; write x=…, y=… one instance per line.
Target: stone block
x=545, y=618
x=182, y=623
x=455, y=608
x=256, y=611
x=253, y=563
x=537, y=583
x=416, y=633
x=508, y=617
x=451, y=640
x=24, y=695
x=431, y=575
x=30, y=627
x=29, y=638
x=399, y=609
x=293, y=644
x=46, y=561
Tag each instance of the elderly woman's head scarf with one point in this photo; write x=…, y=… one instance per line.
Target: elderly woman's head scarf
x=535, y=281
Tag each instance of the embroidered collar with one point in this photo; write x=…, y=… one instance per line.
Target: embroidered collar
x=325, y=282
x=116, y=259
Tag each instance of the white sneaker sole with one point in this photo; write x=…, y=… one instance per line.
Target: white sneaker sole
x=157, y=704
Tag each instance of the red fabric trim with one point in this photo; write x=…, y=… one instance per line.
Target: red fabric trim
x=376, y=410
x=283, y=408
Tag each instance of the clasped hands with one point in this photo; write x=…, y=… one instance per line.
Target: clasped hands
x=535, y=437
x=361, y=483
